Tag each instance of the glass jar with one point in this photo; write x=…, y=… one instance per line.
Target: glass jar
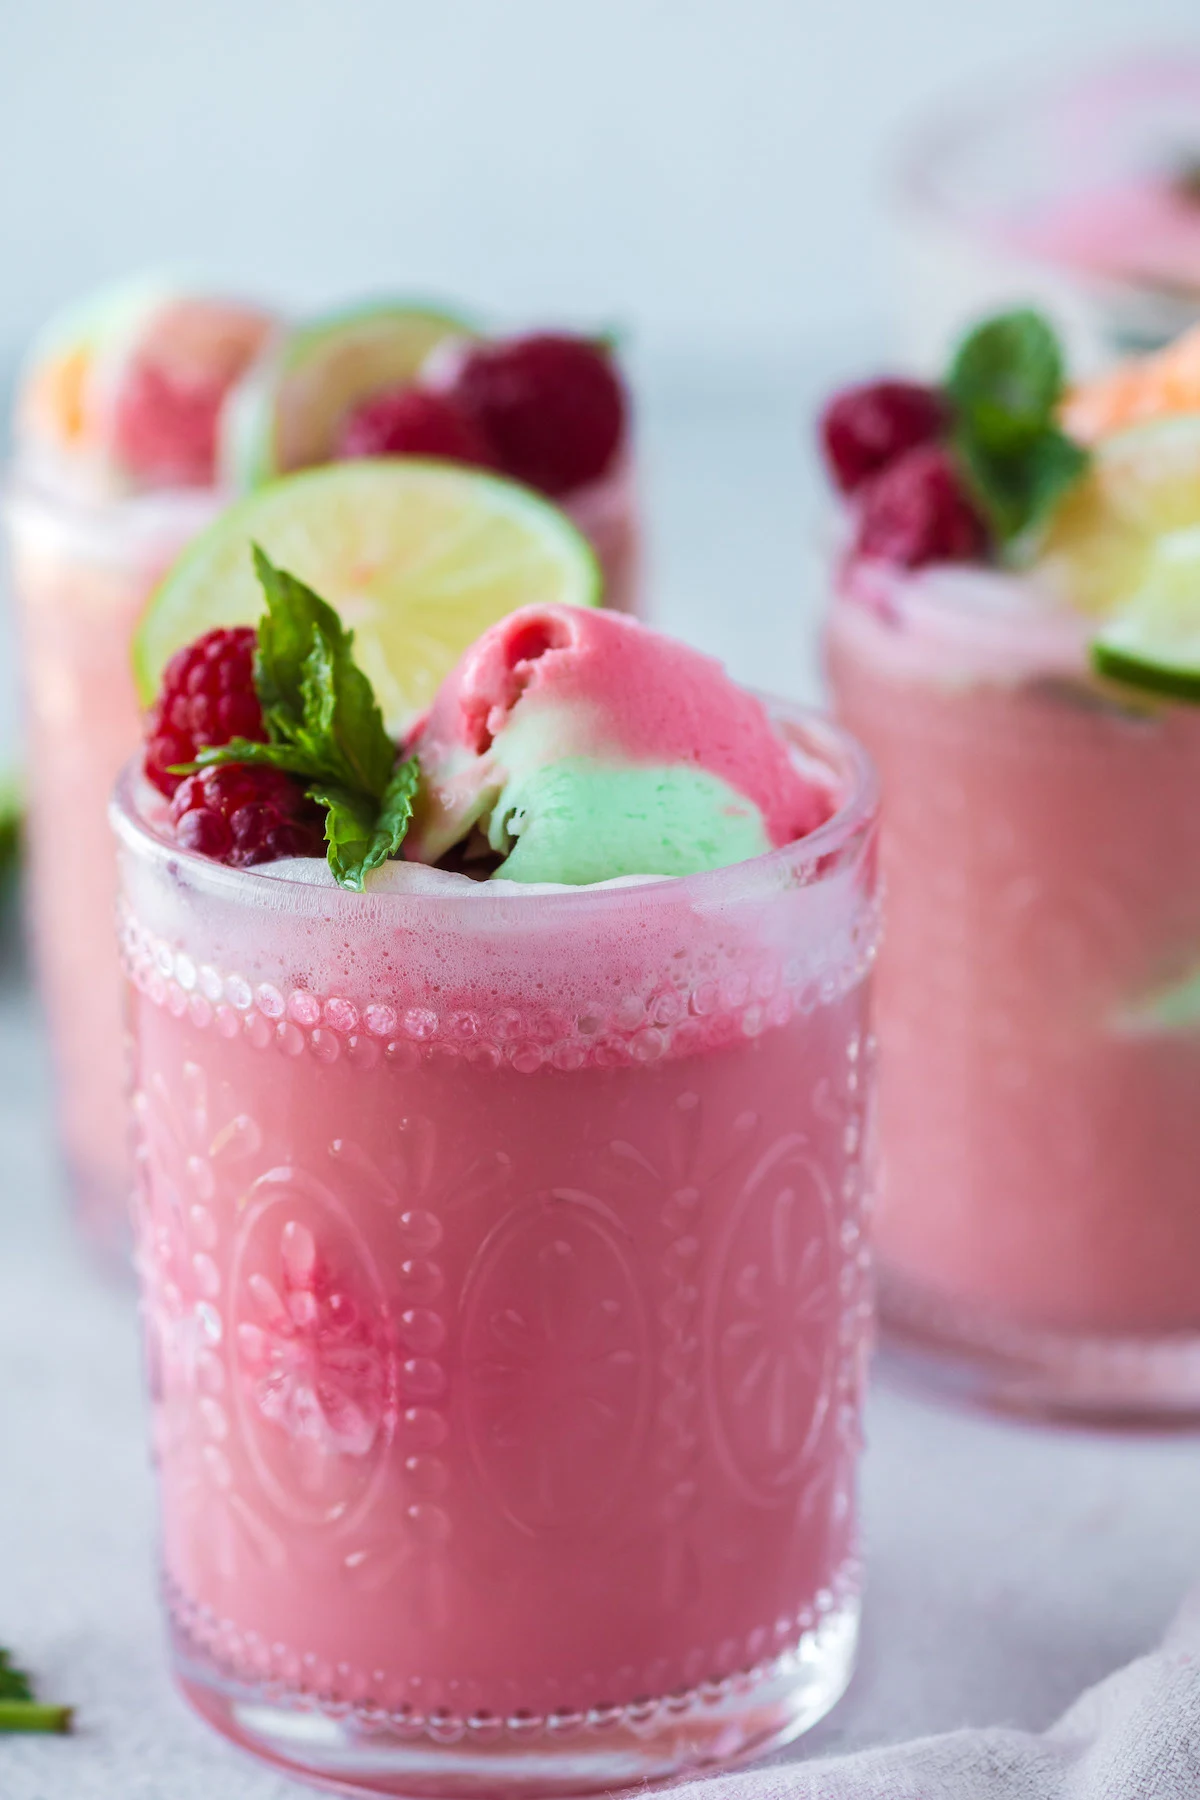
x=1038, y=999
x=506, y=1294
x=80, y=577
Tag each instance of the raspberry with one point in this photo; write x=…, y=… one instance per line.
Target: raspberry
x=207, y=697
x=866, y=429
x=409, y=421
x=240, y=814
x=918, y=512
x=552, y=407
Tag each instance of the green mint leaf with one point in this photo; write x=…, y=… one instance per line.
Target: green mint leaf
x=1004, y=387
x=361, y=834
x=14, y=1683
x=1017, y=493
x=610, y=339
x=324, y=726
x=246, y=750
x=312, y=691
x=350, y=833
x=396, y=807
x=318, y=695
x=1007, y=379
x=19, y=1711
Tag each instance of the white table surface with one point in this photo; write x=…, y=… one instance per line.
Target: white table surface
x=1009, y=1565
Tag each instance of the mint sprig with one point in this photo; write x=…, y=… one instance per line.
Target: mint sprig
x=19, y=1709
x=1005, y=385
x=324, y=725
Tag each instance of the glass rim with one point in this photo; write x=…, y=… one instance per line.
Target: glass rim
x=927, y=153
x=105, y=525
x=798, y=864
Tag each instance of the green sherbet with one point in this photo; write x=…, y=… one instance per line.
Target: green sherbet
x=578, y=821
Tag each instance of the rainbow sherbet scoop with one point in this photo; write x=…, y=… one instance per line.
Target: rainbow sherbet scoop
x=582, y=747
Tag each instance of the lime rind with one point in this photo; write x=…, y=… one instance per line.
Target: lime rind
x=285, y=413
x=1142, y=488
x=1153, y=642
x=418, y=557
x=1174, y=681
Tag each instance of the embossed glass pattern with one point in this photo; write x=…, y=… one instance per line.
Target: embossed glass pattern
x=1039, y=1232
x=506, y=1297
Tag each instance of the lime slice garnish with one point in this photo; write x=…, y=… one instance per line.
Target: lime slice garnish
x=417, y=557
x=1154, y=641
x=287, y=412
x=1142, y=487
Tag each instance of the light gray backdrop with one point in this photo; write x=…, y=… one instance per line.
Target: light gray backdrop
x=707, y=170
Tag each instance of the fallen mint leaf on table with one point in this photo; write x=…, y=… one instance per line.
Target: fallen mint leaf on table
x=1005, y=385
x=324, y=726
x=19, y=1710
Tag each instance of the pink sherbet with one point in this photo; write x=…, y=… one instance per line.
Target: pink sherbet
x=571, y=687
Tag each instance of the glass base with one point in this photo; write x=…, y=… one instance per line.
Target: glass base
x=963, y=1353
x=367, y=1751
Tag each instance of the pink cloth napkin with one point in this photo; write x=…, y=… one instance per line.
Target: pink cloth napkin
x=1134, y=1736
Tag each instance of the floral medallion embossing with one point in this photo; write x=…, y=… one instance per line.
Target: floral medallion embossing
x=314, y=1351
x=556, y=1351
x=773, y=1312
x=180, y=1158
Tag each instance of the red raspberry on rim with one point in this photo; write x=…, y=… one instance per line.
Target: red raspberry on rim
x=918, y=511
x=207, y=697
x=412, y=421
x=552, y=407
x=241, y=814
x=864, y=430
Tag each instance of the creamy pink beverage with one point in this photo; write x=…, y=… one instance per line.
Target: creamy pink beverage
x=1041, y=859
x=125, y=450
x=506, y=1299
x=1038, y=1001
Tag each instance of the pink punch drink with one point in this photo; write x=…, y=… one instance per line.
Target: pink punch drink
x=1038, y=1007
x=503, y=1258
x=98, y=508
x=139, y=417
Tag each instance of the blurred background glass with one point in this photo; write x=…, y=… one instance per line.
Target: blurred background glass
x=711, y=177
x=709, y=172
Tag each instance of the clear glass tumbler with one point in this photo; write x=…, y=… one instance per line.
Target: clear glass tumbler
x=1075, y=194
x=80, y=577
x=1038, y=1001
x=506, y=1297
